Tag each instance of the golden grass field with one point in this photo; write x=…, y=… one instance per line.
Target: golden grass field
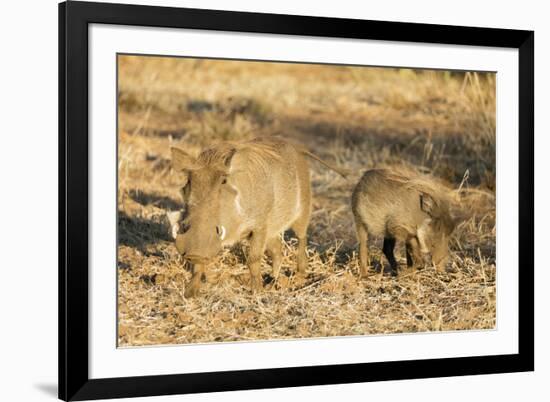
x=437, y=123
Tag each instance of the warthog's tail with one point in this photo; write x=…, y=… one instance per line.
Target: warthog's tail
x=341, y=171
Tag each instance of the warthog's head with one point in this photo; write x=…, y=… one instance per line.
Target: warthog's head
x=210, y=217
x=436, y=231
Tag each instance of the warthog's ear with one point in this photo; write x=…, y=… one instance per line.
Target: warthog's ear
x=181, y=160
x=229, y=157
x=428, y=205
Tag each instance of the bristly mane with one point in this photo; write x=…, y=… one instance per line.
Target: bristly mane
x=261, y=151
x=430, y=185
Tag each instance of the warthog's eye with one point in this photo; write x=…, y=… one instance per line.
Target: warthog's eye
x=220, y=231
x=224, y=179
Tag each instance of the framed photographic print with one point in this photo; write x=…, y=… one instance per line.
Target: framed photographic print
x=258, y=201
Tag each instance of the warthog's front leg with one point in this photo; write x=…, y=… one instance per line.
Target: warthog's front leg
x=441, y=265
x=387, y=248
x=257, y=249
x=300, y=230
x=192, y=288
x=414, y=255
x=275, y=252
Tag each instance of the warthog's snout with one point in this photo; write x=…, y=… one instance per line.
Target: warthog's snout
x=195, y=259
x=195, y=246
x=192, y=250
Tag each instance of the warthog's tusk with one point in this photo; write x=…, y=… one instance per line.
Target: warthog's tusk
x=174, y=218
x=175, y=229
x=223, y=231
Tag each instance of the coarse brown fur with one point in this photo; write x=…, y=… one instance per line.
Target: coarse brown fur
x=402, y=206
x=253, y=190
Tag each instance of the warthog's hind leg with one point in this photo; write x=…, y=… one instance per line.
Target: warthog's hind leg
x=257, y=249
x=362, y=238
x=299, y=226
x=300, y=229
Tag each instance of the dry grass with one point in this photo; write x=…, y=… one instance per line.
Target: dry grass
x=437, y=123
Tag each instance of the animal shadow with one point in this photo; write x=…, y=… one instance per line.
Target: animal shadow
x=159, y=201
x=139, y=232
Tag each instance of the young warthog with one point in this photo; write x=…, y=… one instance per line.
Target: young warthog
x=252, y=190
x=402, y=207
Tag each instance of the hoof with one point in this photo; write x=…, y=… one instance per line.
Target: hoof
x=300, y=274
x=190, y=292
x=256, y=286
x=364, y=273
x=298, y=280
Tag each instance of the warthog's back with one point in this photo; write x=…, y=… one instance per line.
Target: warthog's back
x=272, y=177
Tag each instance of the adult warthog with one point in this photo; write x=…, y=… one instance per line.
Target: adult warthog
x=253, y=190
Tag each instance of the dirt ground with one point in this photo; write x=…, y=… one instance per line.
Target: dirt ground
x=436, y=123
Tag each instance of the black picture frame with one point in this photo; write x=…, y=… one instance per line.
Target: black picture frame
x=74, y=381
